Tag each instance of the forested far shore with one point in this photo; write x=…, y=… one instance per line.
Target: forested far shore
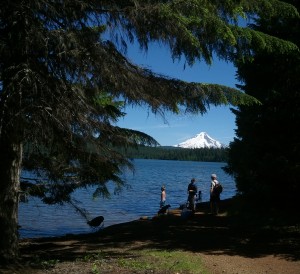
x=174, y=153
x=67, y=80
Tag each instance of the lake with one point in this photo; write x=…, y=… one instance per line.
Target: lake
x=141, y=199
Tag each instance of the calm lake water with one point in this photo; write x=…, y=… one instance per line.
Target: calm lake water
x=141, y=199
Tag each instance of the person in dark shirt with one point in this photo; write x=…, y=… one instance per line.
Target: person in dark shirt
x=192, y=193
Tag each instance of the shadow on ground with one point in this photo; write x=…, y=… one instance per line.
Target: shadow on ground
x=203, y=232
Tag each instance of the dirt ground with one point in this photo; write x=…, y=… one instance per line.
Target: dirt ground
x=224, y=246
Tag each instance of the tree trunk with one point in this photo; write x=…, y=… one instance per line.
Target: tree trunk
x=10, y=167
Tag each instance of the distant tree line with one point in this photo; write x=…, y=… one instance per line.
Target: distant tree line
x=65, y=80
x=180, y=154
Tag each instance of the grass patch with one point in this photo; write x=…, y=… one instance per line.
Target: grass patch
x=173, y=261
x=149, y=260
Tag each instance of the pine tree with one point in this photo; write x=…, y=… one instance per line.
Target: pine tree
x=64, y=77
x=264, y=158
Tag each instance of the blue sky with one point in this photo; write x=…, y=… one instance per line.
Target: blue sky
x=218, y=122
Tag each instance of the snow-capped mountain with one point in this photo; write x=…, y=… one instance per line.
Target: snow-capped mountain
x=201, y=140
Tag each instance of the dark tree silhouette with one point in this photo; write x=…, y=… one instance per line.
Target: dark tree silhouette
x=264, y=158
x=64, y=78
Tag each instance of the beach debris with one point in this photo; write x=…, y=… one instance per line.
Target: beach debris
x=96, y=221
x=163, y=210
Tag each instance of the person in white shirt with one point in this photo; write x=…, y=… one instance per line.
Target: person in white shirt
x=214, y=197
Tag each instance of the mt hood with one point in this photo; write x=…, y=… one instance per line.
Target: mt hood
x=201, y=140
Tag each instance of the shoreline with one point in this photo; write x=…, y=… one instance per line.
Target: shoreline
x=203, y=207
x=223, y=245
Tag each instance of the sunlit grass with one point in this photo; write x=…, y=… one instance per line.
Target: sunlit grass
x=173, y=261
x=152, y=261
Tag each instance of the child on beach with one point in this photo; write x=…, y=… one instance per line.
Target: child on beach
x=163, y=196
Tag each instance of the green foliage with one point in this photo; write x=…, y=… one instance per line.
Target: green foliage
x=45, y=264
x=150, y=260
x=265, y=156
x=66, y=88
x=95, y=269
x=64, y=76
x=64, y=70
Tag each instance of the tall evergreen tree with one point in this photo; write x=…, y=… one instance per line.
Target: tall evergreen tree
x=64, y=71
x=265, y=156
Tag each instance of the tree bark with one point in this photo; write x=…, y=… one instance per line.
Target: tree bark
x=10, y=168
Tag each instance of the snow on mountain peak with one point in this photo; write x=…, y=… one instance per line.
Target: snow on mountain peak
x=201, y=140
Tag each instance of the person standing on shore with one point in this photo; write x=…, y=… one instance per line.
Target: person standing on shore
x=214, y=195
x=192, y=193
x=163, y=196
